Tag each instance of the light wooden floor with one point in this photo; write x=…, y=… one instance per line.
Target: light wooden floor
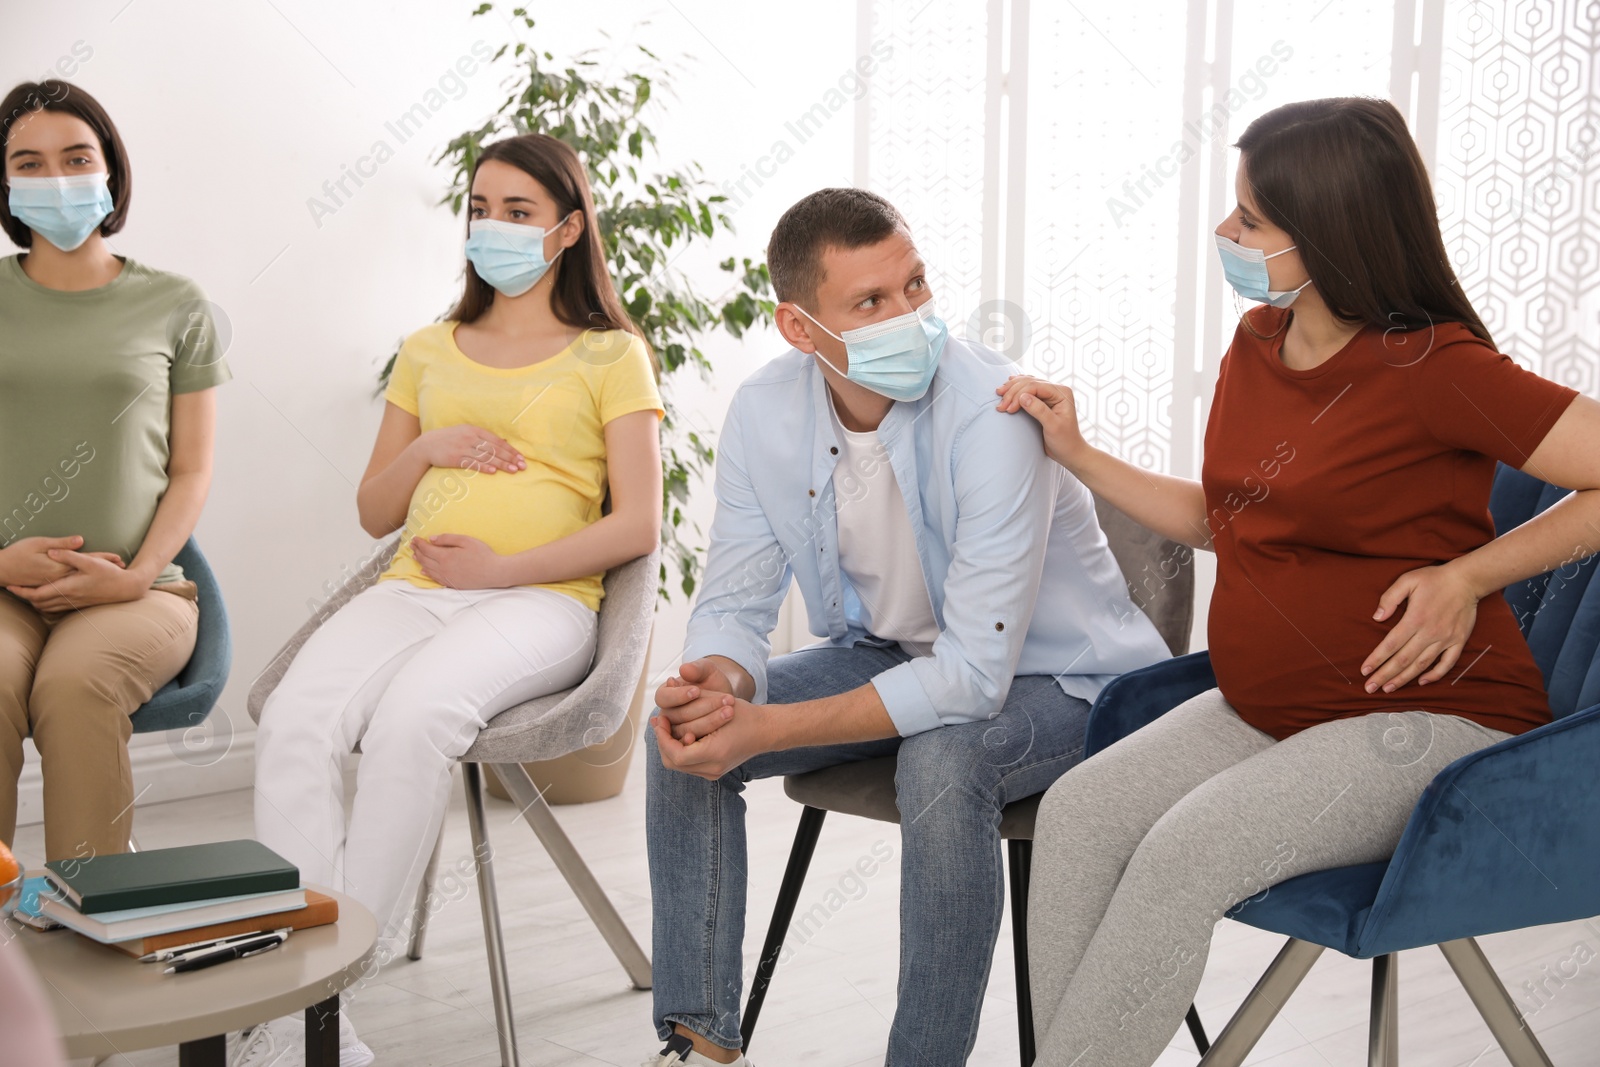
x=831, y=1004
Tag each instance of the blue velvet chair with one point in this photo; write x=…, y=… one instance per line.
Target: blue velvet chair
x=1504, y=838
x=185, y=701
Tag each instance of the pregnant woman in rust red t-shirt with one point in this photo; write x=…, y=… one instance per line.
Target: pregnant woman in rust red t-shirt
x=1351, y=445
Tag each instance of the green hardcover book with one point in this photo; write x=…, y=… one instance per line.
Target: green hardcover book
x=171, y=875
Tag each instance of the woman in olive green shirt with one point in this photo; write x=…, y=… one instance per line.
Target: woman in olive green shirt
x=107, y=409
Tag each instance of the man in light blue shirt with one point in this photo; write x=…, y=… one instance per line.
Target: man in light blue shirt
x=970, y=608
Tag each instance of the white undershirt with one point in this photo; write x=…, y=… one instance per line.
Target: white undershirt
x=877, y=550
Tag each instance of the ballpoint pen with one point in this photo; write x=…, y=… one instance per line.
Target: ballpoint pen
x=236, y=951
x=167, y=954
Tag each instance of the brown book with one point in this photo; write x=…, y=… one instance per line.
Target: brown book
x=320, y=910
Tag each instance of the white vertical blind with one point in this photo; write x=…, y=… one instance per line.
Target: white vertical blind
x=1063, y=166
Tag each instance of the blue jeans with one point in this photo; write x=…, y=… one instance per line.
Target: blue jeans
x=950, y=784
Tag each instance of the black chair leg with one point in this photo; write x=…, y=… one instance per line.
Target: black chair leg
x=1197, y=1030
x=794, y=877
x=1020, y=853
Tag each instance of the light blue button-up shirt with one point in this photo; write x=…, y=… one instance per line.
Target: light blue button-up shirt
x=1018, y=570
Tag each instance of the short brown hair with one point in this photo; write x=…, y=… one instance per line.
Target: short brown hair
x=840, y=218
x=53, y=94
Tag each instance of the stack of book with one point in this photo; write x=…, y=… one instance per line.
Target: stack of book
x=144, y=902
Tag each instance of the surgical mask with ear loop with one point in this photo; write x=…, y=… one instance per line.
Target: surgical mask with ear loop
x=510, y=255
x=895, y=358
x=1246, y=270
x=64, y=210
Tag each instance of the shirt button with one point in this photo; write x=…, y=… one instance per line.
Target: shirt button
x=999, y=626
x=811, y=492
x=834, y=451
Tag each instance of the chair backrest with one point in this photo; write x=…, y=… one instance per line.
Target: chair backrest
x=187, y=699
x=1559, y=611
x=363, y=576
x=1159, y=572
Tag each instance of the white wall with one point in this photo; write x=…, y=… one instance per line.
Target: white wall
x=236, y=114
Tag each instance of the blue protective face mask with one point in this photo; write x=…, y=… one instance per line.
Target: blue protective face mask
x=509, y=255
x=65, y=210
x=895, y=358
x=1246, y=270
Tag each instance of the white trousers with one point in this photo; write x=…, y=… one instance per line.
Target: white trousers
x=412, y=674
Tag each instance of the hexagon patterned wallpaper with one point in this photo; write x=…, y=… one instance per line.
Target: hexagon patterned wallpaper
x=1518, y=177
x=1084, y=286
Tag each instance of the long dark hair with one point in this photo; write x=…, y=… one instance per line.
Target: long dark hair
x=581, y=293
x=1343, y=177
x=53, y=94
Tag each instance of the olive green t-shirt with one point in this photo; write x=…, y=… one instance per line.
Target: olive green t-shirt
x=86, y=386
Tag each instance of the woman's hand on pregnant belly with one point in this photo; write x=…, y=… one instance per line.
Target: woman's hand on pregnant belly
x=92, y=578
x=468, y=447
x=460, y=562
x=1441, y=609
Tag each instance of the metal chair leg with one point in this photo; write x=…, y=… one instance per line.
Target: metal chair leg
x=1489, y=996
x=1281, y=979
x=483, y=855
x=594, y=900
x=1197, y=1030
x=1019, y=854
x=794, y=877
x=1383, y=1027
x=419, y=915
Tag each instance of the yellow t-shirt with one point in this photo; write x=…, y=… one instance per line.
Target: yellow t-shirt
x=553, y=412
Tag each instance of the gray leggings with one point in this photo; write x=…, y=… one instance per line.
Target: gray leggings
x=1140, y=850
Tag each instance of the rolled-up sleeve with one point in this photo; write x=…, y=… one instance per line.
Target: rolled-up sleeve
x=1005, y=491
x=746, y=573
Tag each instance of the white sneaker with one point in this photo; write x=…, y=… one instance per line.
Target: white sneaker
x=680, y=1051
x=282, y=1043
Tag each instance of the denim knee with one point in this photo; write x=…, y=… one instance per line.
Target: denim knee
x=947, y=770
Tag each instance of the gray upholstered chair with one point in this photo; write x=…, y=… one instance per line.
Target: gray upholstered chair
x=1160, y=576
x=542, y=728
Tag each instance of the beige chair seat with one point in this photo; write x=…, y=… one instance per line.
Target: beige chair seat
x=866, y=788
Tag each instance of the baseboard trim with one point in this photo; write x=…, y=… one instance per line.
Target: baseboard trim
x=162, y=770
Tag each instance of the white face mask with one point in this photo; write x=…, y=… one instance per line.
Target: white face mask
x=1246, y=270
x=897, y=357
x=510, y=255
x=64, y=210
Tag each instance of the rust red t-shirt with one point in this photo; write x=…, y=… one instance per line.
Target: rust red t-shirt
x=1323, y=486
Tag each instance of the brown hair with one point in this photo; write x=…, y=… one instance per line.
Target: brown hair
x=582, y=293
x=52, y=94
x=838, y=218
x=1343, y=177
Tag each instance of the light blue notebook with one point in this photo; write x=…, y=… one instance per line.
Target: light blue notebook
x=110, y=917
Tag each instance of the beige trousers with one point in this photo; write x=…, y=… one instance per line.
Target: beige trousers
x=72, y=679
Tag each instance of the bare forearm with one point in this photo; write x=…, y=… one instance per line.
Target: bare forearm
x=382, y=499
x=611, y=540
x=1171, y=506
x=858, y=715
x=1565, y=533
x=175, y=519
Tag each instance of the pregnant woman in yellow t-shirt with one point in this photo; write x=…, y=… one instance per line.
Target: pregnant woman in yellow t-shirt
x=505, y=426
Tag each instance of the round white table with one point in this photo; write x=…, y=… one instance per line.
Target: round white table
x=106, y=1001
